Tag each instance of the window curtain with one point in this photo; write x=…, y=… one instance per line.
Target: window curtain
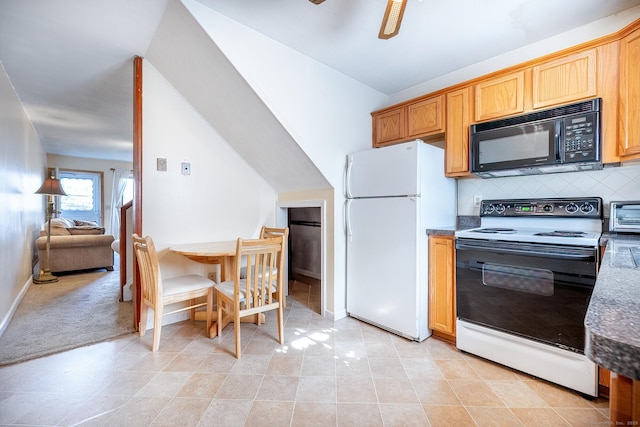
x=119, y=183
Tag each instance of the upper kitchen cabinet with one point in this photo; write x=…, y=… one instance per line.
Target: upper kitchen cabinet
x=500, y=96
x=415, y=119
x=389, y=126
x=426, y=117
x=629, y=101
x=565, y=80
x=456, y=152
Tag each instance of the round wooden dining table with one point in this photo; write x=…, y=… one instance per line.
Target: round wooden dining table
x=223, y=253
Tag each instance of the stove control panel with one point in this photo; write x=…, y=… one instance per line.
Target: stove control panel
x=583, y=207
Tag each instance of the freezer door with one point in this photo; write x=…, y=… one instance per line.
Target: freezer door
x=383, y=265
x=387, y=171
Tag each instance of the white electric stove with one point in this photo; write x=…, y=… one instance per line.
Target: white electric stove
x=523, y=283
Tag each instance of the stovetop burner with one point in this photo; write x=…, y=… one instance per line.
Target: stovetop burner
x=560, y=221
x=494, y=230
x=561, y=233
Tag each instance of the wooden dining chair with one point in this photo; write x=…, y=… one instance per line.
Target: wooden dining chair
x=253, y=294
x=157, y=293
x=266, y=232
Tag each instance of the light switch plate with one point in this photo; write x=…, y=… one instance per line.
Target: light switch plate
x=161, y=164
x=186, y=168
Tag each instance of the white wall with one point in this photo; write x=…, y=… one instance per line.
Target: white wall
x=326, y=113
x=222, y=199
x=22, y=171
x=93, y=165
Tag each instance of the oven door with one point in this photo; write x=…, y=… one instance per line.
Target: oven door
x=532, y=290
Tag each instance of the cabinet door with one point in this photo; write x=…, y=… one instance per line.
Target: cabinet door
x=389, y=127
x=502, y=96
x=629, y=111
x=426, y=117
x=442, y=298
x=565, y=80
x=457, y=132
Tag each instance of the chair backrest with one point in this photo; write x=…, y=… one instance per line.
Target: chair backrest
x=151, y=286
x=262, y=258
x=274, y=232
x=266, y=232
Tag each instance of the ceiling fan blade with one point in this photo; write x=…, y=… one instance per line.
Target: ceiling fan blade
x=392, y=18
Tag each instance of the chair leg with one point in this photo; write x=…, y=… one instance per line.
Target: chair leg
x=157, y=327
x=220, y=315
x=210, y=334
x=236, y=329
x=280, y=324
x=144, y=314
x=192, y=312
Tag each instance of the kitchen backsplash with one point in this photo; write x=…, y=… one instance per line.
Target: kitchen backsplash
x=610, y=183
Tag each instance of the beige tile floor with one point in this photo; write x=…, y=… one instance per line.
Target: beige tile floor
x=343, y=373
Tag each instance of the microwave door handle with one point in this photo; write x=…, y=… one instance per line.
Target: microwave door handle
x=559, y=142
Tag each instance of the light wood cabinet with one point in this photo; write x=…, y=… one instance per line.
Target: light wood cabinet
x=604, y=381
x=425, y=117
x=629, y=101
x=499, y=97
x=421, y=118
x=456, y=152
x=442, y=289
x=389, y=127
x=565, y=80
x=624, y=401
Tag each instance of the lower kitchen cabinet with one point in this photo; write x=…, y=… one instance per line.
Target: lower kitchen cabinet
x=442, y=286
x=604, y=381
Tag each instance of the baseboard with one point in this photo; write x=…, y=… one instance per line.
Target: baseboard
x=337, y=315
x=14, y=306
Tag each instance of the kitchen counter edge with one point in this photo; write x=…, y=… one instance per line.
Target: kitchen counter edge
x=462, y=223
x=612, y=322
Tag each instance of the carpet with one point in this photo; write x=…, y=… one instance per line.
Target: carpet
x=80, y=309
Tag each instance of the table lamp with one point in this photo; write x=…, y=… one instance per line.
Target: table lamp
x=50, y=188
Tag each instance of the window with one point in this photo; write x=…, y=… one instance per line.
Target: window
x=84, y=195
x=127, y=195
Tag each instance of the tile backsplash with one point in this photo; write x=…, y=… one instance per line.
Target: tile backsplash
x=610, y=183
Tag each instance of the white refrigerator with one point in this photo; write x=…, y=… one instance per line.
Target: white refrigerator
x=393, y=195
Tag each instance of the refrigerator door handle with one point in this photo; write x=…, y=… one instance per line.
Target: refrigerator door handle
x=347, y=219
x=347, y=177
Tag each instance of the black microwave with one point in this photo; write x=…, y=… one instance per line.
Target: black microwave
x=561, y=139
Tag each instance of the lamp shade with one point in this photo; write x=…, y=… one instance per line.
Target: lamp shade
x=51, y=186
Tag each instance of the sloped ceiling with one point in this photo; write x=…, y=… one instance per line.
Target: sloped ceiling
x=187, y=57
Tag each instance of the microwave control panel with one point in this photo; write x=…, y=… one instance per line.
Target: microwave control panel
x=580, y=136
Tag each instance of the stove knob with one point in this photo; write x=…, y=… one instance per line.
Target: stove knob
x=500, y=208
x=489, y=209
x=547, y=208
x=572, y=208
x=586, y=207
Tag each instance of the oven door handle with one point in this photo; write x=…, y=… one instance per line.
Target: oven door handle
x=567, y=253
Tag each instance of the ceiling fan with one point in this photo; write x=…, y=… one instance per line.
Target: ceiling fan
x=391, y=20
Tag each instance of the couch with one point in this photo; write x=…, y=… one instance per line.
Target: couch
x=76, y=245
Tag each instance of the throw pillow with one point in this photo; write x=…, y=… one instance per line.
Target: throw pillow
x=86, y=230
